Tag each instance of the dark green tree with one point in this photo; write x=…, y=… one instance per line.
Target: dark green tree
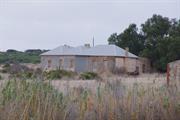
x=113, y=39
x=128, y=38
x=158, y=40
x=161, y=41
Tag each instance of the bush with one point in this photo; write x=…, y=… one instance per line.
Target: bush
x=58, y=74
x=6, y=68
x=52, y=75
x=4, y=71
x=28, y=74
x=6, y=65
x=88, y=75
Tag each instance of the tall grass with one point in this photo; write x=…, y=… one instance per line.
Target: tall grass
x=35, y=100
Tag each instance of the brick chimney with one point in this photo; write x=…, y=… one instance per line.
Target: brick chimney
x=87, y=45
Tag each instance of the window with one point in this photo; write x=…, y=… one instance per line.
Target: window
x=49, y=63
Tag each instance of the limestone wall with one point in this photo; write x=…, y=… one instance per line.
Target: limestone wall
x=173, y=73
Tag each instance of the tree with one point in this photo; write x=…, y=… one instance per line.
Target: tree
x=158, y=40
x=156, y=26
x=161, y=41
x=129, y=38
x=113, y=39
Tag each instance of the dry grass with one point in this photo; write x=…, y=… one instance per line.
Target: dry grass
x=36, y=100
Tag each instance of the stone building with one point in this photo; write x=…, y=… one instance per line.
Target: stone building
x=173, y=73
x=100, y=58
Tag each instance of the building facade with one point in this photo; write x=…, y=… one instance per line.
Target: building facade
x=101, y=58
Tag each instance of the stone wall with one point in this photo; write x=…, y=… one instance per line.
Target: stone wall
x=101, y=64
x=173, y=73
x=126, y=65
x=98, y=64
x=58, y=62
x=144, y=65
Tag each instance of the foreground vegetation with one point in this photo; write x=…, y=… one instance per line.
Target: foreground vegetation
x=36, y=100
x=23, y=72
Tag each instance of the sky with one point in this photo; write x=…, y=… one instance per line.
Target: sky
x=46, y=24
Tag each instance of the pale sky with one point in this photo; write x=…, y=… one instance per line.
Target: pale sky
x=46, y=24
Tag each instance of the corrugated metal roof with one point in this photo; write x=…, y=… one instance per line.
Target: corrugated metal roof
x=99, y=50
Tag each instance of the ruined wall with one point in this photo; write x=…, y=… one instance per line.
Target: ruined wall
x=144, y=65
x=78, y=63
x=97, y=64
x=173, y=73
x=101, y=64
x=131, y=65
x=58, y=62
x=126, y=65
x=112, y=64
x=119, y=66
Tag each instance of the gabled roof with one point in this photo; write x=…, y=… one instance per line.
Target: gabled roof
x=99, y=50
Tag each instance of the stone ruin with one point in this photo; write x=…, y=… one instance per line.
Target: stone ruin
x=173, y=73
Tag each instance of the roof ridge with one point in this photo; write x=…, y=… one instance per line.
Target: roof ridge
x=99, y=50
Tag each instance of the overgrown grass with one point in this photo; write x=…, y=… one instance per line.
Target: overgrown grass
x=36, y=100
x=21, y=100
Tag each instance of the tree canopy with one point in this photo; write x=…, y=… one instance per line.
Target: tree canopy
x=158, y=39
x=129, y=38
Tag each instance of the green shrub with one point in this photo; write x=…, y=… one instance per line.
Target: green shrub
x=28, y=74
x=4, y=71
x=53, y=75
x=6, y=68
x=88, y=75
x=6, y=65
x=58, y=74
x=23, y=75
